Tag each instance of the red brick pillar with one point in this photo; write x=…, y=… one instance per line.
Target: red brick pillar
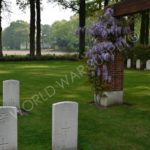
x=115, y=96
x=117, y=72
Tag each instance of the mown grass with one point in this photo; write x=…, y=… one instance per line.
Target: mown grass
x=125, y=127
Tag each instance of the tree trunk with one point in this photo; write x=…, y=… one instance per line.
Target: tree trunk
x=82, y=28
x=144, y=31
x=106, y=3
x=32, y=28
x=1, y=52
x=147, y=28
x=132, y=27
x=38, y=23
x=26, y=44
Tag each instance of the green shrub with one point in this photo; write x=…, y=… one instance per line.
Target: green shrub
x=141, y=52
x=47, y=57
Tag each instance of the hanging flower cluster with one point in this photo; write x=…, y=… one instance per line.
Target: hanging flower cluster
x=109, y=36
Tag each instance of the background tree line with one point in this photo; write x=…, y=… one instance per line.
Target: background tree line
x=59, y=36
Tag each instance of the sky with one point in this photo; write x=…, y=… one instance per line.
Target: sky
x=49, y=14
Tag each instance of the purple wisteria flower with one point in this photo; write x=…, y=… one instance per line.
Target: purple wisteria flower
x=109, y=12
x=109, y=36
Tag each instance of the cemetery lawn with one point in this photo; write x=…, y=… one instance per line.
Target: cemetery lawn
x=125, y=127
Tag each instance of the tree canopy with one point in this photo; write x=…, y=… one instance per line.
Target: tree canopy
x=16, y=35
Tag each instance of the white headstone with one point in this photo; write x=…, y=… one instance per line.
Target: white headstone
x=64, y=126
x=129, y=63
x=8, y=128
x=138, y=64
x=148, y=65
x=11, y=93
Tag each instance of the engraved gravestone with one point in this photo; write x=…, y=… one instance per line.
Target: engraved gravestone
x=64, y=126
x=138, y=64
x=148, y=65
x=11, y=93
x=8, y=128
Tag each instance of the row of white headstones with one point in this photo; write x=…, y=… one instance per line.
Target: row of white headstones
x=138, y=64
x=64, y=120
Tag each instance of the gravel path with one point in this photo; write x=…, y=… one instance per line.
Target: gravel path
x=44, y=52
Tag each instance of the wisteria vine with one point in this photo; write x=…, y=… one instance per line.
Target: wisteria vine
x=109, y=36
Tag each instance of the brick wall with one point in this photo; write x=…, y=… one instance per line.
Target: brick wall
x=117, y=72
